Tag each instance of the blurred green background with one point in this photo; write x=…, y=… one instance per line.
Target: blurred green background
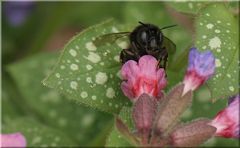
x=33, y=33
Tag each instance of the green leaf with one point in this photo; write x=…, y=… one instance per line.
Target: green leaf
x=116, y=139
x=37, y=134
x=78, y=122
x=188, y=7
x=9, y=108
x=89, y=74
x=217, y=30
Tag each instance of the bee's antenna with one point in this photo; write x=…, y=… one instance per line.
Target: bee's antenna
x=142, y=23
x=168, y=27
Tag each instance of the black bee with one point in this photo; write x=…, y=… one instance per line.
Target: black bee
x=147, y=39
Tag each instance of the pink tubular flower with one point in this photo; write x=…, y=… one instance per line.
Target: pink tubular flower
x=227, y=120
x=143, y=77
x=201, y=66
x=12, y=140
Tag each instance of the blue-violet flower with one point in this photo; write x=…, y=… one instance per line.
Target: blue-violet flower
x=201, y=66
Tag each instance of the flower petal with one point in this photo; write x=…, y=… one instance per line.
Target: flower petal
x=13, y=140
x=227, y=120
x=130, y=70
x=127, y=90
x=148, y=66
x=144, y=77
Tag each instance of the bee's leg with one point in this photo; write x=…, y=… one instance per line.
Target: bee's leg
x=135, y=50
x=163, y=58
x=127, y=54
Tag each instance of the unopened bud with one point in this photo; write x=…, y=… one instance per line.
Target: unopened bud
x=192, y=134
x=170, y=110
x=143, y=115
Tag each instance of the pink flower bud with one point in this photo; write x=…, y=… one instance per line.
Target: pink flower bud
x=143, y=115
x=143, y=77
x=12, y=140
x=201, y=66
x=227, y=120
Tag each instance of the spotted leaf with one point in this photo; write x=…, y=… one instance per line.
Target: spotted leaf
x=51, y=106
x=89, y=74
x=37, y=134
x=217, y=30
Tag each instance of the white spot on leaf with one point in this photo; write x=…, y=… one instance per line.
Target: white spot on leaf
x=73, y=52
x=218, y=63
x=110, y=93
x=215, y=43
x=74, y=67
x=89, y=79
x=101, y=78
x=190, y=5
x=57, y=75
x=231, y=88
x=93, y=57
x=73, y=84
x=209, y=26
x=94, y=97
x=117, y=58
x=217, y=31
x=62, y=67
x=89, y=67
x=84, y=94
x=90, y=46
x=114, y=30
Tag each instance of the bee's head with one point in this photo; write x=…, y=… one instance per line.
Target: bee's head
x=147, y=36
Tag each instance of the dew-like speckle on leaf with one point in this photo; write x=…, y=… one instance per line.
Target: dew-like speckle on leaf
x=215, y=34
x=91, y=77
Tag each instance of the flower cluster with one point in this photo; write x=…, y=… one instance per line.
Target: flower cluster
x=146, y=77
x=144, y=83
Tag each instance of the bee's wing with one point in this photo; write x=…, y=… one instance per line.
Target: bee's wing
x=109, y=38
x=170, y=46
